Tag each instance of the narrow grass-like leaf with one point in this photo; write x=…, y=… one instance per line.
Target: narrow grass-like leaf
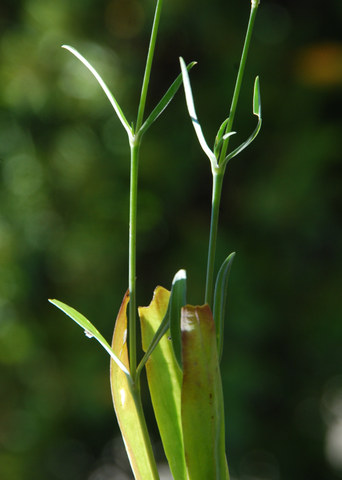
x=257, y=98
x=193, y=115
x=177, y=301
x=104, y=87
x=257, y=112
x=202, y=397
x=148, y=65
x=163, y=103
x=89, y=330
x=128, y=408
x=164, y=381
x=219, y=144
x=220, y=296
x=218, y=138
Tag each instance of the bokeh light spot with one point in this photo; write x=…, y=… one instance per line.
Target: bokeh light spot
x=320, y=65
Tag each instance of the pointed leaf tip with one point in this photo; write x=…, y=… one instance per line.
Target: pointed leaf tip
x=256, y=97
x=220, y=297
x=164, y=102
x=257, y=112
x=193, y=115
x=180, y=275
x=104, y=87
x=89, y=330
x=177, y=301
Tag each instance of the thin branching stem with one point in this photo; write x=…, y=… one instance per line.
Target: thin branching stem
x=218, y=172
x=147, y=74
x=239, y=78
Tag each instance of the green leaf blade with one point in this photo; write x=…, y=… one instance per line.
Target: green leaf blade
x=256, y=97
x=89, y=329
x=104, y=87
x=164, y=102
x=193, y=115
x=220, y=296
x=218, y=138
x=257, y=112
x=177, y=301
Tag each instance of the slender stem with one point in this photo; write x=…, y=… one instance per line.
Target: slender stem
x=215, y=208
x=219, y=172
x=135, y=146
x=229, y=128
x=135, y=392
x=148, y=67
x=132, y=257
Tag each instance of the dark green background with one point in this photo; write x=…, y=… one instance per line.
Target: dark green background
x=63, y=225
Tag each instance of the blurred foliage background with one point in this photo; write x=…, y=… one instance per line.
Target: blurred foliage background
x=63, y=225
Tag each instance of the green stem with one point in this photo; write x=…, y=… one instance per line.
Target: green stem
x=215, y=209
x=147, y=439
x=229, y=128
x=132, y=257
x=218, y=173
x=135, y=392
x=135, y=146
x=148, y=67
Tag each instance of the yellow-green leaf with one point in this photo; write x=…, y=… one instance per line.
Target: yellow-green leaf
x=202, y=397
x=128, y=407
x=164, y=381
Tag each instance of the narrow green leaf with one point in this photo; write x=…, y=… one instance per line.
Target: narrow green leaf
x=164, y=381
x=104, y=87
x=128, y=408
x=177, y=301
x=193, y=115
x=229, y=134
x=163, y=103
x=148, y=65
x=220, y=296
x=257, y=112
x=202, y=397
x=218, y=138
x=257, y=98
x=89, y=330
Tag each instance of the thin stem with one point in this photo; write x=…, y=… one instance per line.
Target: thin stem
x=215, y=208
x=219, y=172
x=148, y=67
x=239, y=77
x=135, y=391
x=135, y=146
x=132, y=257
